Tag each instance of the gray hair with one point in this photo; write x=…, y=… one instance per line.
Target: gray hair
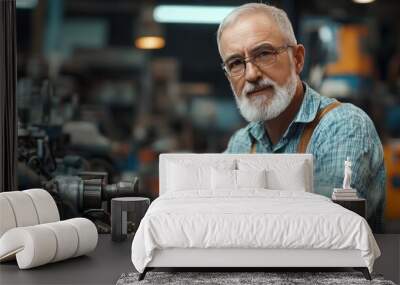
x=278, y=15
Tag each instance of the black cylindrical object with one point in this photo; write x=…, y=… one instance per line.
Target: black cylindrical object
x=126, y=214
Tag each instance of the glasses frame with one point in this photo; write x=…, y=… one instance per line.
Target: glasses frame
x=276, y=51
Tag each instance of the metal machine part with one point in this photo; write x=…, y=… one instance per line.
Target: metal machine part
x=84, y=194
x=35, y=151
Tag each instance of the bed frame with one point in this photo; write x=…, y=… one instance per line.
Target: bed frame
x=242, y=259
x=246, y=258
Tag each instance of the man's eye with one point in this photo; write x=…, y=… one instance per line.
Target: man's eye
x=234, y=63
x=264, y=54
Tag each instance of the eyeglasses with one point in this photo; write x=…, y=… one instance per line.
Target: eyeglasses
x=262, y=58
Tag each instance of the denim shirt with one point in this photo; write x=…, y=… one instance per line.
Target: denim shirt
x=345, y=131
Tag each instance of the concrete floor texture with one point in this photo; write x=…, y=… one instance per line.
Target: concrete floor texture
x=111, y=259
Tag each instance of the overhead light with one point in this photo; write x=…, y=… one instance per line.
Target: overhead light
x=191, y=14
x=363, y=1
x=149, y=34
x=26, y=4
x=150, y=42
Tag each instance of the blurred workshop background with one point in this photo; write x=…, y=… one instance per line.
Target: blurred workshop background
x=106, y=86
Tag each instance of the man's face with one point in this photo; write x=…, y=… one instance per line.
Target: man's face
x=261, y=93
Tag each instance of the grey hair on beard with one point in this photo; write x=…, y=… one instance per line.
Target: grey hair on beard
x=278, y=15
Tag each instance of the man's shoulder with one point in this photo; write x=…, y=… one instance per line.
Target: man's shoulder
x=349, y=115
x=344, y=121
x=345, y=111
x=347, y=122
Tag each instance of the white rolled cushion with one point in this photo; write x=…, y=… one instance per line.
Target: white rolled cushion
x=7, y=218
x=223, y=179
x=67, y=240
x=33, y=246
x=251, y=178
x=87, y=235
x=23, y=208
x=45, y=205
x=37, y=245
x=281, y=174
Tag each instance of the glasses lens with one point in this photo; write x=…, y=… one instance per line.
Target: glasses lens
x=265, y=58
x=235, y=67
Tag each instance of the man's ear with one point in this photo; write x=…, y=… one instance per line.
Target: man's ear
x=299, y=53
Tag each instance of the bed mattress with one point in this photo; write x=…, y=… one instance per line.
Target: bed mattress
x=251, y=219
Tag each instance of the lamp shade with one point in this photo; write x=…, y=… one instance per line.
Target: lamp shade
x=149, y=34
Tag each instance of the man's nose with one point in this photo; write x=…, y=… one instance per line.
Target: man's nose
x=252, y=72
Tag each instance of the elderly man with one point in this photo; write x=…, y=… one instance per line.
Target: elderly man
x=262, y=61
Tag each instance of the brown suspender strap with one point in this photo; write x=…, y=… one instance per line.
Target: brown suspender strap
x=309, y=128
x=253, y=147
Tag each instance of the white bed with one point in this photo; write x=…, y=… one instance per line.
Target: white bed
x=203, y=220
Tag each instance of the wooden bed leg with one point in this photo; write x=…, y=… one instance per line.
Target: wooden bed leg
x=364, y=271
x=143, y=274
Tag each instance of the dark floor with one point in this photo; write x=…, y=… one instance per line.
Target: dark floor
x=102, y=266
x=111, y=259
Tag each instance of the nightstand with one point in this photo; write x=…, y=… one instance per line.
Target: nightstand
x=358, y=206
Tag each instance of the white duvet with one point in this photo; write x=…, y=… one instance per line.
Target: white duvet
x=250, y=219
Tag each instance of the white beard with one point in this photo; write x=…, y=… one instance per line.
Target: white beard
x=264, y=108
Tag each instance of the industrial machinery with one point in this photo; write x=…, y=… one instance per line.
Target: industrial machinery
x=44, y=160
x=76, y=192
x=85, y=192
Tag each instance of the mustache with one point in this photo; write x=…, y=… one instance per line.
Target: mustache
x=261, y=84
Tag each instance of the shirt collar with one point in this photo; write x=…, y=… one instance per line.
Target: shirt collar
x=257, y=130
x=307, y=113
x=309, y=107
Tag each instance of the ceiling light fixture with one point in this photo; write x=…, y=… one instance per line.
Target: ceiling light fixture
x=191, y=14
x=363, y=1
x=150, y=42
x=149, y=34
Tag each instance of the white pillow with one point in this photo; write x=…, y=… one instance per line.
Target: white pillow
x=236, y=179
x=183, y=178
x=282, y=174
x=223, y=179
x=251, y=179
x=295, y=180
x=186, y=175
